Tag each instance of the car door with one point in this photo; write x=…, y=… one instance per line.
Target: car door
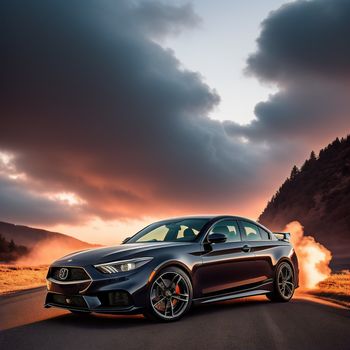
x=260, y=244
x=226, y=266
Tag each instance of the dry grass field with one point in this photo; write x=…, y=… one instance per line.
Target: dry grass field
x=335, y=288
x=14, y=278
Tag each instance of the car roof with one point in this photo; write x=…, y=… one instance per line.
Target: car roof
x=213, y=218
x=208, y=217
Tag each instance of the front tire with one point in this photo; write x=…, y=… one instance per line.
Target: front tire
x=284, y=285
x=169, y=295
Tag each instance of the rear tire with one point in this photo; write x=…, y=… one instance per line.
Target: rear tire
x=169, y=296
x=283, y=285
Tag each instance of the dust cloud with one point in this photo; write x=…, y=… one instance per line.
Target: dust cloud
x=313, y=257
x=48, y=250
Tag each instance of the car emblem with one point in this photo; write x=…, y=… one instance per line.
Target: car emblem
x=63, y=273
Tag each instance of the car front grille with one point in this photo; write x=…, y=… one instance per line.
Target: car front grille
x=73, y=274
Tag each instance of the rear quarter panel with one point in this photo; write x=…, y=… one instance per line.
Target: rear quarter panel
x=271, y=253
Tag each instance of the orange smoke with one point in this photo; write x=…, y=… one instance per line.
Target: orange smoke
x=313, y=257
x=48, y=250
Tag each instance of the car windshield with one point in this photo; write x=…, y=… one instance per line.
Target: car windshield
x=184, y=230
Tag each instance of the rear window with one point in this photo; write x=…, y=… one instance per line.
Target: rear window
x=264, y=234
x=251, y=231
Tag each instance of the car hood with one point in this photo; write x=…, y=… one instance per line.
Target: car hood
x=115, y=253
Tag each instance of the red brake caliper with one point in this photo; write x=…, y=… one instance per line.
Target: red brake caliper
x=177, y=291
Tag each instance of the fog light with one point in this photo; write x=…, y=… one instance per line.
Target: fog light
x=119, y=298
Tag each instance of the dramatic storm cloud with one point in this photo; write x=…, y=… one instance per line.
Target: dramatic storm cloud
x=304, y=39
x=304, y=49
x=93, y=107
x=160, y=19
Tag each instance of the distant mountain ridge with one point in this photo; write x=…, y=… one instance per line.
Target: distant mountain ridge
x=29, y=236
x=37, y=246
x=318, y=195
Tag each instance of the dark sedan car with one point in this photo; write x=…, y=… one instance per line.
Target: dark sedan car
x=170, y=265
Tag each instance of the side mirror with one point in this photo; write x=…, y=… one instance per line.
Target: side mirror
x=125, y=240
x=217, y=237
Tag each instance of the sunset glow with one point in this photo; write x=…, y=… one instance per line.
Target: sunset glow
x=67, y=197
x=5, y=158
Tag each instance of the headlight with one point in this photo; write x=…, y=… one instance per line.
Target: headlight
x=123, y=265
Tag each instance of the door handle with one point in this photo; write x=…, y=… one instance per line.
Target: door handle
x=246, y=248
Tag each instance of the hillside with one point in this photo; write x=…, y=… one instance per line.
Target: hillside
x=39, y=246
x=10, y=251
x=29, y=236
x=318, y=195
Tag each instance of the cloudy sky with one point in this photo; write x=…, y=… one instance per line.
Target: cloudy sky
x=117, y=113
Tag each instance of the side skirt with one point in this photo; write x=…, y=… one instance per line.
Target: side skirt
x=241, y=294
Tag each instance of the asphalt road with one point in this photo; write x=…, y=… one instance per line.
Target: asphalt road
x=241, y=324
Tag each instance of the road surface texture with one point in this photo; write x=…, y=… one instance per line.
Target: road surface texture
x=241, y=324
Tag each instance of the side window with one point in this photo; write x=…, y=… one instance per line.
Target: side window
x=264, y=234
x=229, y=228
x=250, y=231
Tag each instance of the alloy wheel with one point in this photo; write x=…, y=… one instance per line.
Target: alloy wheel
x=170, y=295
x=285, y=281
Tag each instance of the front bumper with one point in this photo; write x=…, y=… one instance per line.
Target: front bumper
x=120, y=293
x=83, y=303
